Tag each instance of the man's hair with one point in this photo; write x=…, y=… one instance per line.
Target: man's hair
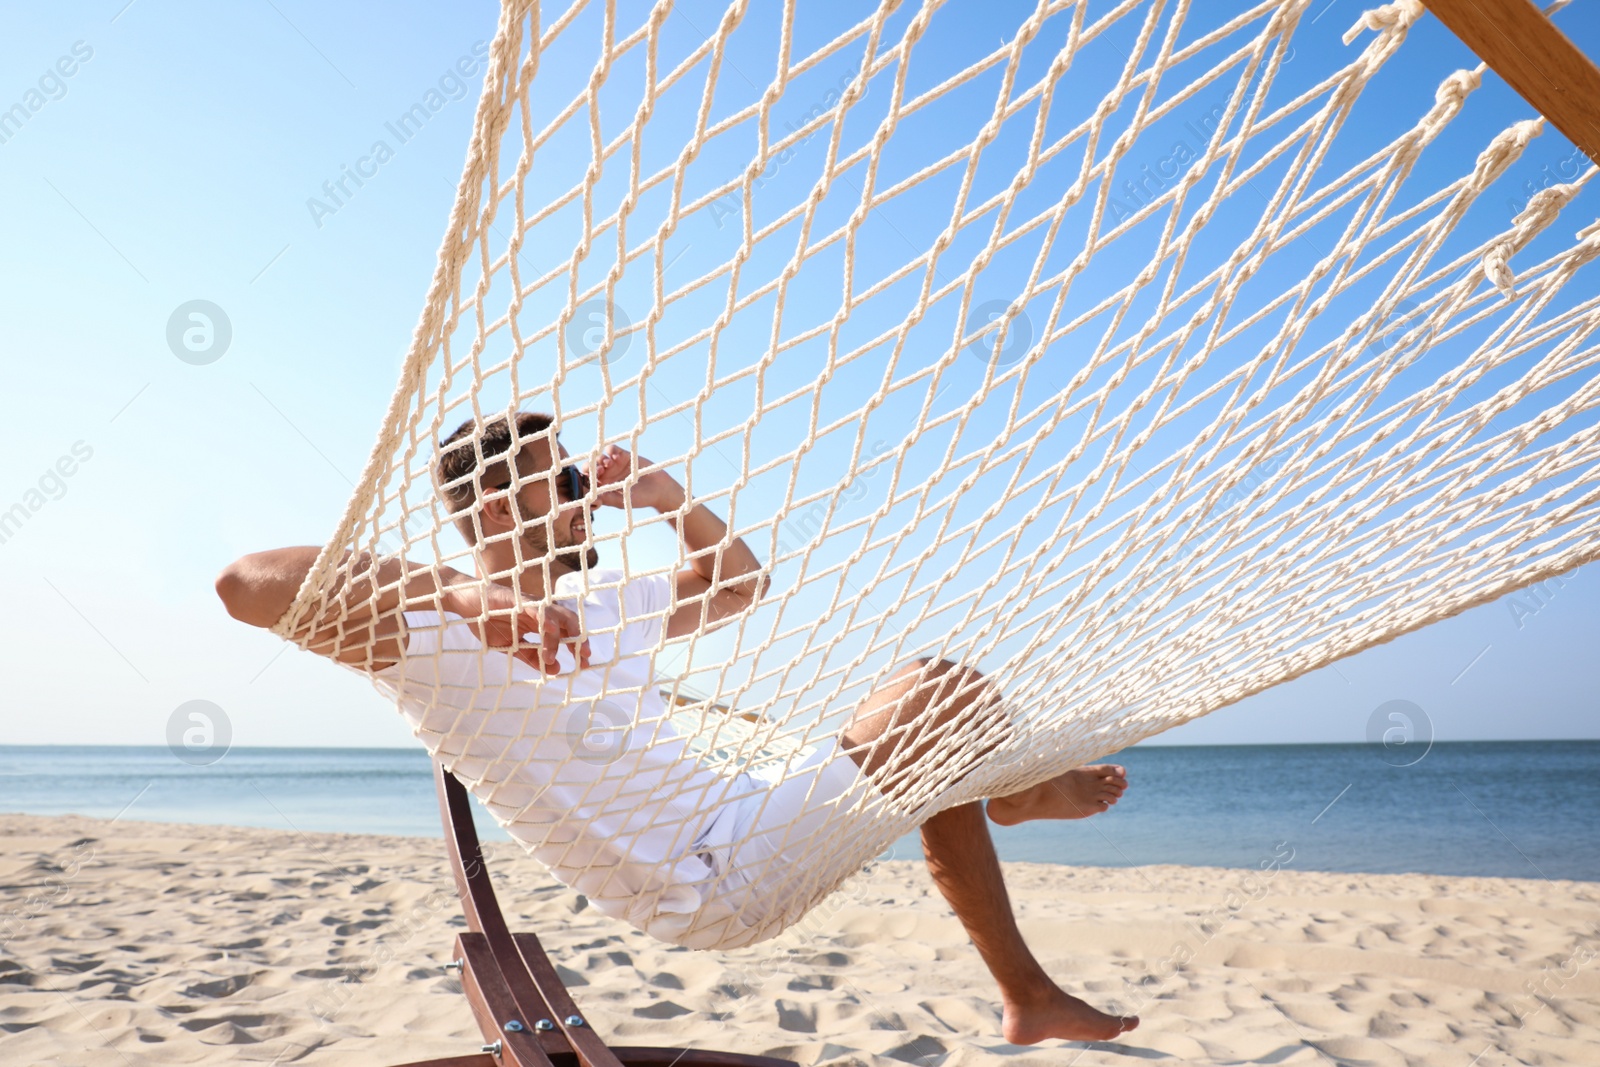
x=460, y=478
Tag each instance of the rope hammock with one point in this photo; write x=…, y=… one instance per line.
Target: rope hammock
x=1141, y=365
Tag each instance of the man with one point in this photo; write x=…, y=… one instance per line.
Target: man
x=533, y=682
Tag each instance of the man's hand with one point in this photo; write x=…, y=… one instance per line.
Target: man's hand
x=723, y=578
x=493, y=613
x=655, y=488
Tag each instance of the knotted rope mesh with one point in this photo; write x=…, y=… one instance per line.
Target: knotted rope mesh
x=1140, y=364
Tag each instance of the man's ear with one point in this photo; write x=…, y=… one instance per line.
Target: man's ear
x=495, y=515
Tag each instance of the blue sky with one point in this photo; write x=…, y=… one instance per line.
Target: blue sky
x=185, y=158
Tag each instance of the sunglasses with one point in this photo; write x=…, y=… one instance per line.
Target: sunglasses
x=571, y=484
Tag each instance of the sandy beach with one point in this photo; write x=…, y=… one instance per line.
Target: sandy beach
x=212, y=944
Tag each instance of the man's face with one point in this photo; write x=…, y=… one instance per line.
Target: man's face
x=542, y=496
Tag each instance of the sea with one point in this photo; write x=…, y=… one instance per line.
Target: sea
x=1524, y=809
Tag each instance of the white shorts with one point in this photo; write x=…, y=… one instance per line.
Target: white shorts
x=785, y=841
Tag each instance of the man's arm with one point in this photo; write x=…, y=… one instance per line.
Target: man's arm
x=370, y=634
x=740, y=583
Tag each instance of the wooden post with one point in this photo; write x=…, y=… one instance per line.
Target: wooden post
x=1537, y=60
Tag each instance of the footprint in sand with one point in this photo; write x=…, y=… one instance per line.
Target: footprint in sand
x=796, y=1017
x=219, y=988
x=570, y=978
x=922, y=1051
x=321, y=973
x=824, y=959
x=346, y=927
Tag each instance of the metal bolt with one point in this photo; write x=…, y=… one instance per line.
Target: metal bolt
x=574, y=1020
x=493, y=1050
x=453, y=965
x=544, y=1024
x=514, y=1026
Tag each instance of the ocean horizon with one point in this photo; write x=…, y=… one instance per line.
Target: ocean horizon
x=1526, y=809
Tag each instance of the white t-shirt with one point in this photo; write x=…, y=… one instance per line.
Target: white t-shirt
x=584, y=768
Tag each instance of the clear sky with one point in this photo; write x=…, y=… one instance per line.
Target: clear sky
x=173, y=156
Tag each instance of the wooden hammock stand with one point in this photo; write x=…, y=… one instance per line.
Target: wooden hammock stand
x=527, y=1016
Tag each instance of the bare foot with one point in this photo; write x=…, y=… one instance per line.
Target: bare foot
x=1060, y=1015
x=1077, y=794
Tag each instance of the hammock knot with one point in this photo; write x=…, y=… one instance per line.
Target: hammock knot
x=1504, y=150
x=1456, y=87
x=1452, y=92
x=1447, y=103
x=1396, y=18
x=1531, y=221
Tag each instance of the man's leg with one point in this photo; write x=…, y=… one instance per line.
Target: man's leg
x=962, y=860
x=924, y=699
